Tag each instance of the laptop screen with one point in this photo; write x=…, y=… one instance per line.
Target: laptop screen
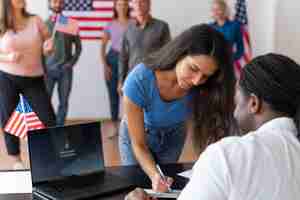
x=59, y=152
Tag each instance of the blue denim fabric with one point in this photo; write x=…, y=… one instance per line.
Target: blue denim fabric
x=63, y=77
x=112, y=85
x=165, y=144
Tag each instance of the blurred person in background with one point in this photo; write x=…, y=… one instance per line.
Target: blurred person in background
x=113, y=33
x=59, y=65
x=24, y=38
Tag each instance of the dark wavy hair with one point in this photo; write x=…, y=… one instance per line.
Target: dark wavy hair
x=7, y=19
x=213, y=102
x=275, y=79
x=115, y=12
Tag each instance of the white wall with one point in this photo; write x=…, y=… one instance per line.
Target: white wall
x=261, y=16
x=287, y=28
x=39, y=7
x=181, y=14
x=272, y=23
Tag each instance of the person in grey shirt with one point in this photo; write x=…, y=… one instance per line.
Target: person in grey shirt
x=144, y=35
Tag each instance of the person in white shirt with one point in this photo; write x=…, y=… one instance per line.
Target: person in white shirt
x=265, y=163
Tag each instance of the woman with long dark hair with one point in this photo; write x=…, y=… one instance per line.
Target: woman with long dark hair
x=23, y=40
x=190, y=77
x=114, y=33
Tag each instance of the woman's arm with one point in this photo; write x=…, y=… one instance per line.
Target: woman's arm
x=135, y=117
x=48, y=43
x=107, y=68
x=43, y=29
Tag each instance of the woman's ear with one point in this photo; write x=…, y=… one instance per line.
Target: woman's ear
x=254, y=104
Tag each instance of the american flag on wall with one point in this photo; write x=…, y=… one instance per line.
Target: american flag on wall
x=92, y=15
x=241, y=16
x=22, y=120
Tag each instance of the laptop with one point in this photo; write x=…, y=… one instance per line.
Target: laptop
x=67, y=163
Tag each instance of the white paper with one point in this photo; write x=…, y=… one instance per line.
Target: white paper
x=173, y=194
x=187, y=173
x=15, y=182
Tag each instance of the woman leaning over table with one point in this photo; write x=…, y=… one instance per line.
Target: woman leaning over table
x=190, y=77
x=23, y=40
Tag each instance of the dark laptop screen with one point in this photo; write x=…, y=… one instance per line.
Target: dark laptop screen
x=60, y=152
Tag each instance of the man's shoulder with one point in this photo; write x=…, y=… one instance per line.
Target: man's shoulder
x=159, y=22
x=237, y=142
x=234, y=147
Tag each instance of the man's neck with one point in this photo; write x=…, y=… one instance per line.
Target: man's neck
x=268, y=116
x=143, y=20
x=55, y=13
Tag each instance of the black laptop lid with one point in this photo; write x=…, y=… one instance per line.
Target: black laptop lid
x=60, y=152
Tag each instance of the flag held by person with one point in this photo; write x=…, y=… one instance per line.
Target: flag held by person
x=22, y=120
x=66, y=25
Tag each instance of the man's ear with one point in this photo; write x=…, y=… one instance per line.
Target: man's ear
x=254, y=104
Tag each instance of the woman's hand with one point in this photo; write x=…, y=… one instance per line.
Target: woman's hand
x=48, y=46
x=138, y=194
x=120, y=91
x=159, y=184
x=14, y=57
x=107, y=72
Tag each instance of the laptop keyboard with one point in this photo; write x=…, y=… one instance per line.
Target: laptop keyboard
x=78, y=189
x=73, y=190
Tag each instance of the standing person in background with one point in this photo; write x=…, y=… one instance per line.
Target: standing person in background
x=114, y=33
x=191, y=77
x=231, y=29
x=59, y=65
x=144, y=35
x=23, y=40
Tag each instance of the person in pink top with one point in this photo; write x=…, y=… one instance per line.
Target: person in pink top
x=24, y=39
x=114, y=33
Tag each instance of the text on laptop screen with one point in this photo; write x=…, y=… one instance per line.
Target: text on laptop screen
x=60, y=152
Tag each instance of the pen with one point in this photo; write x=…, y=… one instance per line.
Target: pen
x=163, y=176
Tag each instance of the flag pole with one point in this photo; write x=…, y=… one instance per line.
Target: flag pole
x=54, y=28
x=23, y=109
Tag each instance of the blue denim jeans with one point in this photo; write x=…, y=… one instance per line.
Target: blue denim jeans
x=63, y=78
x=112, y=85
x=165, y=143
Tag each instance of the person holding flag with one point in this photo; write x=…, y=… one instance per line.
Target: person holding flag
x=23, y=40
x=59, y=65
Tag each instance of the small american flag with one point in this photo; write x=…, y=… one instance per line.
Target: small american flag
x=22, y=120
x=66, y=25
x=241, y=16
x=92, y=15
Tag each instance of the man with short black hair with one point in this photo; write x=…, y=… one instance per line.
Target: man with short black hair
x=59, y=65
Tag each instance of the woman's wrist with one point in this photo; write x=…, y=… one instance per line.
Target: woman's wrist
x=154, y=175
